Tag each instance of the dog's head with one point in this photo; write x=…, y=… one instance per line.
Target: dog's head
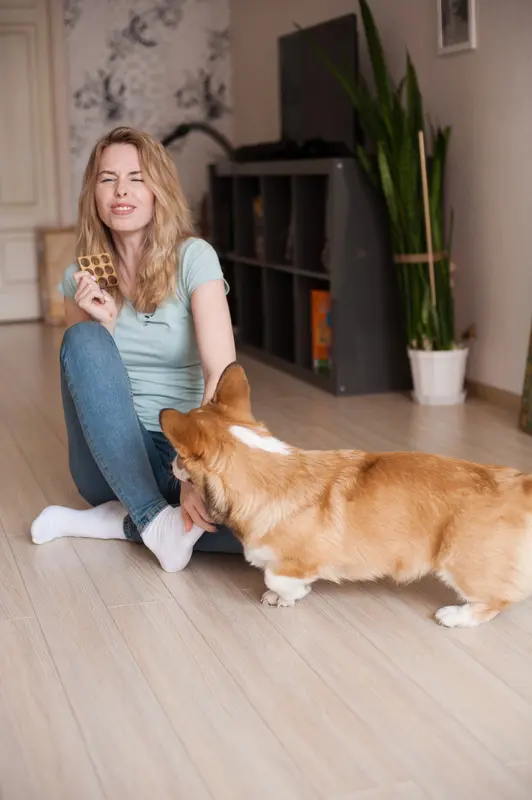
x=203, y=438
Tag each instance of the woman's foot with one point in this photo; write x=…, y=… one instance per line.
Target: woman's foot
x=168, y=540
x=101, y=522
x=165, y=535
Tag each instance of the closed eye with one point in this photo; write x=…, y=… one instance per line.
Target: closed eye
x=106, y=176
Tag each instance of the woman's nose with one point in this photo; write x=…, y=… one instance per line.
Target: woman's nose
x=120, y=189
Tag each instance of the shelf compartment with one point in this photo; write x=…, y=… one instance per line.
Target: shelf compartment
x=304, y=286
x=248, y=240
x=250, y=305
x=221, y=212
x=278, y=223
x=327, y=197
x=310, y=207
x=280, y=314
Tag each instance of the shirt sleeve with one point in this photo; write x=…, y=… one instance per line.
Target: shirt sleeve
x=67, y=285
x=200, y=264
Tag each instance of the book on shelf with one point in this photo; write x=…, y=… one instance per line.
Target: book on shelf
x=321, y=330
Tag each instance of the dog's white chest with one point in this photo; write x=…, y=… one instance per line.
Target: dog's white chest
x=259, y=556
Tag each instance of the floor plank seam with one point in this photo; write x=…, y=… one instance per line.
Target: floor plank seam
x=235, y=683
x=456, y=644
x=328, y=684
x=148, y=686
x=6, y=620
x=159, y=703
x=487, y=668
x=37, y=408
x=134, y=603
x=59, y=677
x=21, y=452
x=443, y=709
x=132, y=565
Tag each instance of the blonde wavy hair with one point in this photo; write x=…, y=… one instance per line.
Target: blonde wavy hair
x=170, y=226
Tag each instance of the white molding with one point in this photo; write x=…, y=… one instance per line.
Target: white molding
x=61, y=98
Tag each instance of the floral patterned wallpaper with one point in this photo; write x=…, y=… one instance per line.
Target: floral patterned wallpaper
x=152, y=64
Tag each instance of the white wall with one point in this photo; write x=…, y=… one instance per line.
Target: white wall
x=151, y=64
x=486, y=96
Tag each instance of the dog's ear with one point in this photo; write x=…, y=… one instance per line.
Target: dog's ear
x=182, y=431
x=233, y=391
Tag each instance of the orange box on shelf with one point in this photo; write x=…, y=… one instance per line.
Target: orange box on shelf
x=321, y=330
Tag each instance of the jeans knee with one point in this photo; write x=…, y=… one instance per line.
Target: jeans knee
x=82, y=336
x=93, y=495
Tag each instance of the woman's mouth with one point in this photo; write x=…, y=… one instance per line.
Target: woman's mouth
x=122, y=209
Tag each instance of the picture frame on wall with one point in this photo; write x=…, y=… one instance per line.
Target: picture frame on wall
x=457, y=26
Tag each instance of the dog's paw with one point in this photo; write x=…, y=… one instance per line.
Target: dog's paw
x=456, y=617
x=270, y=598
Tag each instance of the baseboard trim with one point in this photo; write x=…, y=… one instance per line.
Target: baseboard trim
x=499, y=397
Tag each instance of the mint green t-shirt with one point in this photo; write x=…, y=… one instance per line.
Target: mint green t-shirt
x=160, y=350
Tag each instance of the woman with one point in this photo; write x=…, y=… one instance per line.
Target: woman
x=161, y=339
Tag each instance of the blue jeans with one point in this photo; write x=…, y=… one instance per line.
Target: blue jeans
x=111, y=454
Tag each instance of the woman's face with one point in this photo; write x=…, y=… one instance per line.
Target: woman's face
x=123, y=201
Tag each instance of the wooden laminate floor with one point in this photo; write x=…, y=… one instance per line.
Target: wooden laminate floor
x=120, y=681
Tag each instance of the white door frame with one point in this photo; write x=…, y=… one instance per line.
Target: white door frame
x=61, y=93
x=37, y=191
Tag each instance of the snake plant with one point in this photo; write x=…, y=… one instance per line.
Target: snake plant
x=391, y=115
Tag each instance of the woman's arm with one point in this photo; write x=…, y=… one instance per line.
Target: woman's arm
x=216, y=345
x=214, y=332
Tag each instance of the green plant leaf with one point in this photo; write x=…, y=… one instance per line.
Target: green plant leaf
x=398, y=113
x=369, y=112
x=388, y=189
x=391, y=117
x=378, y=62
x=368, y=165
x=414, y=100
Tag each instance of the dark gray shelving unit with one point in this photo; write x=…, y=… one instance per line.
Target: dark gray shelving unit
x=323, y=227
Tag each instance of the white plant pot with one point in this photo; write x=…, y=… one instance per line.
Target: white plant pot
x=438, y=376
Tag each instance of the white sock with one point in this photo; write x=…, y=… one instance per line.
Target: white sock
x=167, y=538
x=100, y=522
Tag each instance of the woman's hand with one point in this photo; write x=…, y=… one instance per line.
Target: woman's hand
x=193, y=509
x=96, y=302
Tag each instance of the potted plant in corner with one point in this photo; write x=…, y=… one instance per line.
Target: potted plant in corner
x=411, y=183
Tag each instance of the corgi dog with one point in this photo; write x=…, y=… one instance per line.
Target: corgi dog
x=347, y=515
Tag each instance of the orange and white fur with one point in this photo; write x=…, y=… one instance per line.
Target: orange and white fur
x=348, y=515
